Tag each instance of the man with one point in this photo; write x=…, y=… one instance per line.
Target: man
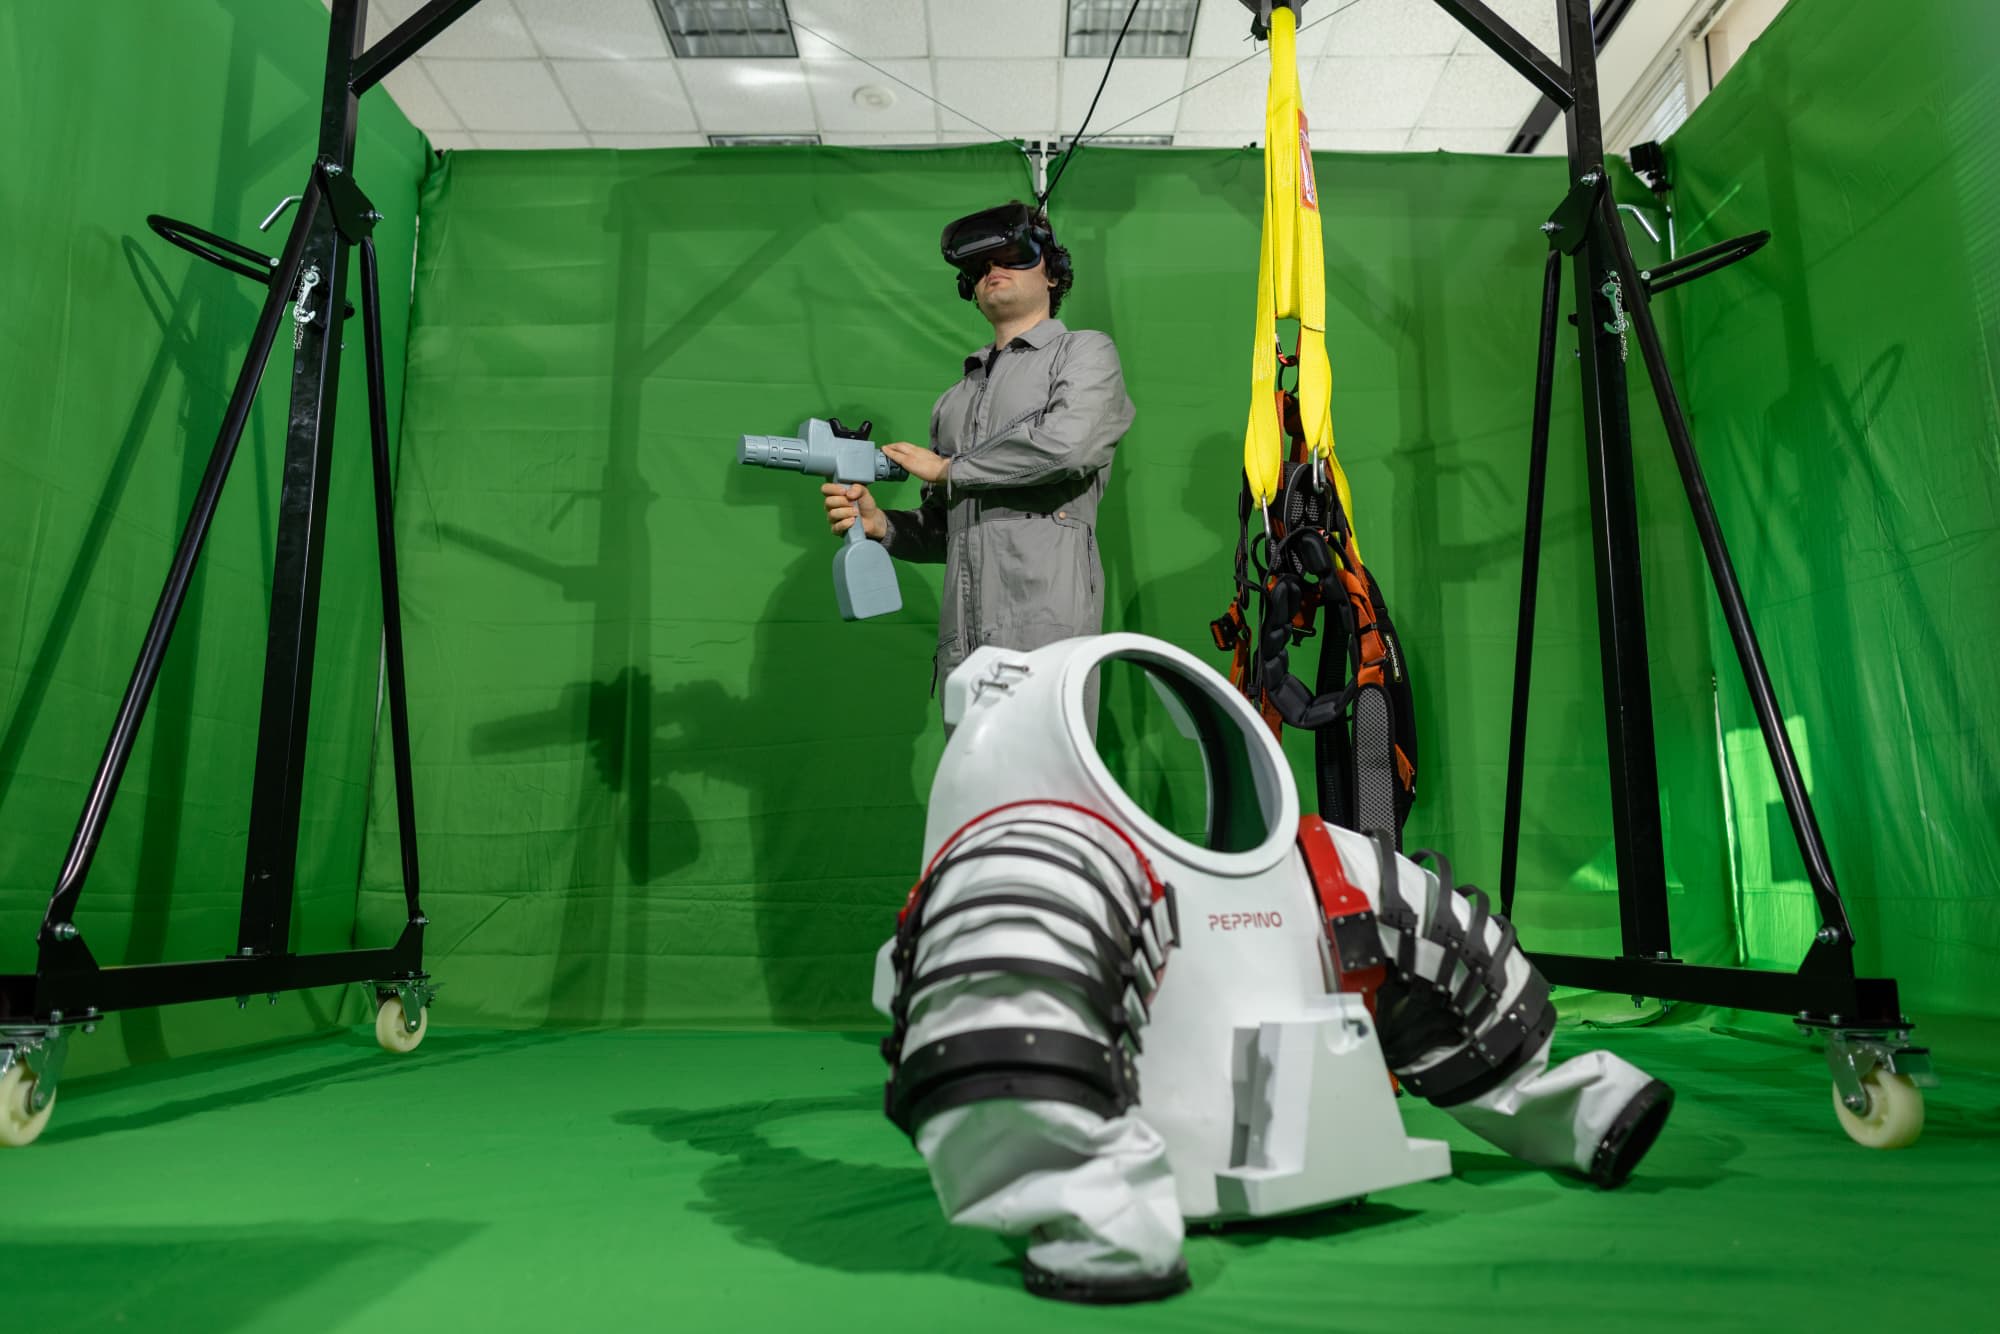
x=1020, y=450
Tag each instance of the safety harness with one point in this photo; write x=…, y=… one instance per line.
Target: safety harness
x=1360, y=707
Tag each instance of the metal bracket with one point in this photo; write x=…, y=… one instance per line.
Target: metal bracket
x=43, y=1051
x=415, y=994
x=353, y=213
x=1852, y=1054
x=1569, y=226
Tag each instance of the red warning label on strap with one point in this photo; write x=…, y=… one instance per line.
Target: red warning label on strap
x=1308, y=191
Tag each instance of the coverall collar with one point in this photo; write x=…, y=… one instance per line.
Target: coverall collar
x=1036, y=336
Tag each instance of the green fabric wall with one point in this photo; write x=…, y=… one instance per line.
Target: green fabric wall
x=660, y=781
x=1843, y=389
x=120, y=351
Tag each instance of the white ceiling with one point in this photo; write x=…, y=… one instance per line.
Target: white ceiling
x=1377, y=75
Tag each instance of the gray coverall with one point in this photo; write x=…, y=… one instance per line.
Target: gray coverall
x=1030, y=432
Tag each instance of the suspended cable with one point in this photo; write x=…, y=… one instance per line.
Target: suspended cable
x=905, y=82
x=1077, y=142
x=1332, y=13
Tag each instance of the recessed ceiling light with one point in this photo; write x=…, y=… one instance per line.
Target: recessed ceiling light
x=741, y=140
x=709, y=28
x=1161, y=29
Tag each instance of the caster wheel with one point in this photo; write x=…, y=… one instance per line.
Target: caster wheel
x=1895, y=1115
x=20, y=1123
x=392, y=1033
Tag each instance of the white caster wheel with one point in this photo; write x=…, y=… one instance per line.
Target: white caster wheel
x=1895, y=1115
x=393, y=1033
x=20, y=1123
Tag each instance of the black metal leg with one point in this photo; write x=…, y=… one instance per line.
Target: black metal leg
x=153, y=651
x=1531, y=565
x=278, y=792
x=1621, y=609
x=68, y=986
x=385, y=545
x=1743, y=635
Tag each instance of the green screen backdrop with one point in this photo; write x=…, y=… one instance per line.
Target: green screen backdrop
x=660, y=780
x=1843, y=388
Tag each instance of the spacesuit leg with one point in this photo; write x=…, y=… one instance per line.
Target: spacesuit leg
x=1466, y=1020
x=1014, y=988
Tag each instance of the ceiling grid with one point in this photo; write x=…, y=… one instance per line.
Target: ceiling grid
x=1384, y=75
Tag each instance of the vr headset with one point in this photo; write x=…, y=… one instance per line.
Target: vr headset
x=1012, y=236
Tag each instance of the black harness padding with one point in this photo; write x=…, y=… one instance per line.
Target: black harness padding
x=1027, y=1063
x=1361, y=709
x=1418, y=1013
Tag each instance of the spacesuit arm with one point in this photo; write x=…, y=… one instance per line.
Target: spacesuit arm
x=1072, y=436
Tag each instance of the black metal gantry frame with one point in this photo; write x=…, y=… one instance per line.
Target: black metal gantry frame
x=334, y=218
x=1613, y=298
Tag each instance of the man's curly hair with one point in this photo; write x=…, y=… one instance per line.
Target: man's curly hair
x=1055, y=256
x=1066, y=281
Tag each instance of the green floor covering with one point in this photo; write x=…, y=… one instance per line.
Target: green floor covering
x=686, y=1181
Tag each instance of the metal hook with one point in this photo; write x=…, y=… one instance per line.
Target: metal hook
x=1633, y=209
x=283, y=204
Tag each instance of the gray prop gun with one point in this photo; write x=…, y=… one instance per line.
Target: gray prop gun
x=864, y=576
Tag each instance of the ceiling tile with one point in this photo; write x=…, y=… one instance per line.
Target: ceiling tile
x=981, y=30
x=450, y=140
x=596, y=29
x=973, y=137
x=749, y=96
x=383, y=15
x=1533, y=19
x=835, y=84
x=1430, y=138
x=1358, y=141
x=1351, y=93
x=1222, y=31
x=490, y=30
x=517, y=139
x=1230, y=102
x=1216, y=139
x=878, y=138
x=1134, y=86
x=502, y=94
x=649, y=140
x=1479, y=90
x=419, y=98
x=1376, y=28
x=1012, y=98
x=880, y=29
x=625, y=96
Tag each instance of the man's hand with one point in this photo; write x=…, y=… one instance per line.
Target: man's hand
x=917, y=461
x=845, y=503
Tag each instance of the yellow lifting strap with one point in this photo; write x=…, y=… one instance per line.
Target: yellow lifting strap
x=1291, y=283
